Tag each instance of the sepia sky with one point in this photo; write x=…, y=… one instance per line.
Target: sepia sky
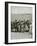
x=21, y=13
x=21, y=10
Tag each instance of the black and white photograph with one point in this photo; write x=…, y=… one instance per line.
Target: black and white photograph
x=21, y=22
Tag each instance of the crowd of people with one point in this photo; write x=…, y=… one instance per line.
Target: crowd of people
x=21, y=26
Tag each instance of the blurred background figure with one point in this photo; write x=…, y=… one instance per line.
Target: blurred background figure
x=30, y=30
x=19, y=29
x=15, y=25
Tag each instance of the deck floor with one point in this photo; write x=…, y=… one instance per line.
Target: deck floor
x=21, y=35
